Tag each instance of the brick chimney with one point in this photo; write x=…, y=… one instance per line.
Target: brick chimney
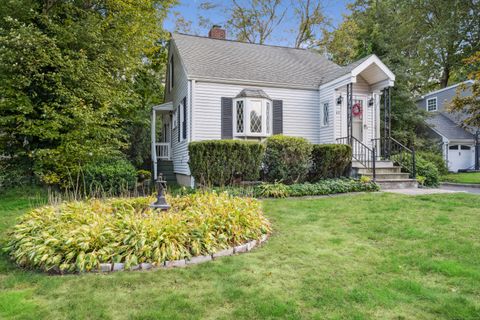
x=216, y=32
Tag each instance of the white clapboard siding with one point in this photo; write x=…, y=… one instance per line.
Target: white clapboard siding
x=180, y=91
x=327, y=132
x=301, y=111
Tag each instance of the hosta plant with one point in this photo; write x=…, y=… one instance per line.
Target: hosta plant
x=78, y=236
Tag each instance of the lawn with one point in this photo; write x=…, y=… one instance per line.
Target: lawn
x=464, y=177
x=368, y=256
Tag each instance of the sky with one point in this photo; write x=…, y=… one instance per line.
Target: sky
x=190, y=10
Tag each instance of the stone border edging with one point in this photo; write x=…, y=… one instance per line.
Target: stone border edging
x=246, y=247
x=453, y=184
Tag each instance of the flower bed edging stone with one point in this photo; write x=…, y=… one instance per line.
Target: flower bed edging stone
x=111, y=267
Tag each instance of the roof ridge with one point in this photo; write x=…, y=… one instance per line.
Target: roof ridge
x=249, y=43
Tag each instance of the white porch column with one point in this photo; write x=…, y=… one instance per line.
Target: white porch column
x=153, y=128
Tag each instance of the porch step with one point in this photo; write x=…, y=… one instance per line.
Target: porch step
x=394, y=169
x=397, y=183
x=378, y=164
x=388, y=176
x=166, y=168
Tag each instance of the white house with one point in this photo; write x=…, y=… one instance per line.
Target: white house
x=223, y=89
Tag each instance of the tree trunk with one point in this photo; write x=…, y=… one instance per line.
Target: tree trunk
x=445, y=77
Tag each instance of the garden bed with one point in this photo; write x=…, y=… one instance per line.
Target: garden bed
x=126, y=234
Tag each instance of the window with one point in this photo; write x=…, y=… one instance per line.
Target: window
x=171, y=71
x=325, y=114
x=252, y=117
x=432, y=104
x=462, y=147
x=239, y=110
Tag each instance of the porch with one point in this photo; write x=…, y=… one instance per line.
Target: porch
x=161, y=142
x=363, y=121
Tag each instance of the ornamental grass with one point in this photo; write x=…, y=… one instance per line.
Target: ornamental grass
x=78, y=236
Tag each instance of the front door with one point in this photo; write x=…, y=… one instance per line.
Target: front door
x=358, y=110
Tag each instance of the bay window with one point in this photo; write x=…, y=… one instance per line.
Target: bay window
x=252, y=117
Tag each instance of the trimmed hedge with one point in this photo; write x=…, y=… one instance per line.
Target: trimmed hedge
x=79, y=236
x=330, y=161
x=324, y=187
x=287, y=159
x=220, y=162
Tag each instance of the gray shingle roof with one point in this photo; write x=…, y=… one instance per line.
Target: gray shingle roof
x=223, y=59
x=253, y=93
x=446, y=127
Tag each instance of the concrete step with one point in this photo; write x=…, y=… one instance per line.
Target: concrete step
x=394, y=169
x=388, y=176
x=397, y=183
x=378, y=164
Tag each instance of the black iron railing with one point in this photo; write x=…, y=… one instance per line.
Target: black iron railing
x=361, y=152
x=390, y=149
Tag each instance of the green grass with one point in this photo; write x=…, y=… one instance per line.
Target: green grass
x=369, y=256
x=464, y=177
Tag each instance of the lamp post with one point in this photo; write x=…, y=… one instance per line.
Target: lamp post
x=161, y=202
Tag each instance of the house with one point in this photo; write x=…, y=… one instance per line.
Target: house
x=459, y=145
x=223, y=89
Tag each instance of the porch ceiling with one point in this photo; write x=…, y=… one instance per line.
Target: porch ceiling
x=164, y=107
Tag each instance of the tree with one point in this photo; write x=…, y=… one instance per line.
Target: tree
x=470, y=104
x=255, y=21
x=68, y=74
x=310, y=20
x=450, y=32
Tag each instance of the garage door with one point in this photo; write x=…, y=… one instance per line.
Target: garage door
x=460, y=156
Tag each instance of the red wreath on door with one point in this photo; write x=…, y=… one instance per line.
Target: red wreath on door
x=357, y=109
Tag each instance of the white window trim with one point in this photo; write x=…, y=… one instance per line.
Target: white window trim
x=436, y=104
x=246, y=117
x=175, y=118
x=322, y=114
x=182, y=117
x=170, y=73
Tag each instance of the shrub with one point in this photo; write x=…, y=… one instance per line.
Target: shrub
x=435, y=158
x=287, y=159
x=111, y=176
x=220, y=162
x=330, y=161
x=429, y=171
x=78, y=236
x=424, y=168
x=324, y=187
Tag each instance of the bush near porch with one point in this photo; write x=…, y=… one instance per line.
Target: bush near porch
x=330, y=161
x=220, y=162
x=281, y=158
x=287, y=159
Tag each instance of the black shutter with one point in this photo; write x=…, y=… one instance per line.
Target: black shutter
x=227, y=113
x=184, y=124
x=277, y=117
x=178, y=123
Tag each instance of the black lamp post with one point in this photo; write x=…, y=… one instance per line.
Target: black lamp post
x=161, y=202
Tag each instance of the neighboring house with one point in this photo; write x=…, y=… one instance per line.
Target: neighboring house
x=458, y=144
x=223, y=89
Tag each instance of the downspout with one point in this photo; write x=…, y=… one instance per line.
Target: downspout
x=153, y=142
x=477, y=150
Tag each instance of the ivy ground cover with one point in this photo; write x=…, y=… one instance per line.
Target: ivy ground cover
x=366, y=256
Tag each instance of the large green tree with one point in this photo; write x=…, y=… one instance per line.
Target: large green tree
x=71, y=75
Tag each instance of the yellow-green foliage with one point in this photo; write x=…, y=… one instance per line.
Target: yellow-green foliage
x=77, y=236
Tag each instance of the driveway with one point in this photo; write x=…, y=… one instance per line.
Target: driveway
x=474, y=190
